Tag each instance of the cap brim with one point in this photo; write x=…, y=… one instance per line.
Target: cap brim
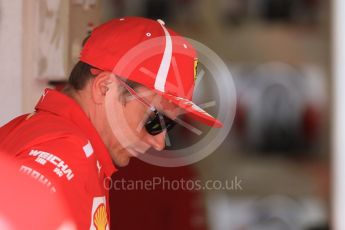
x=192, y=110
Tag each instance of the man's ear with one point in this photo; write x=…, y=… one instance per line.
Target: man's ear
x=100, y=86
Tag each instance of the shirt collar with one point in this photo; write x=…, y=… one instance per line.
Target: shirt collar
x=64, y=106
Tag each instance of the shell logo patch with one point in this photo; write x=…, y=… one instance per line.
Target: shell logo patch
x=100, y=218
x=196, y=61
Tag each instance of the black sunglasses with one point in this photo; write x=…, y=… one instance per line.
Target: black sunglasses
x=156, y=122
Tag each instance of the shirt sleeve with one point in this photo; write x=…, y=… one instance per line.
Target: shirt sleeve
x=61, y=166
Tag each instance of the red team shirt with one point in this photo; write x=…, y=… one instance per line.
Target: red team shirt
x=58, y=146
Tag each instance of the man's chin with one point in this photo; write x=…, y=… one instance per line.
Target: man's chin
x=122, y=158
x=123, y=162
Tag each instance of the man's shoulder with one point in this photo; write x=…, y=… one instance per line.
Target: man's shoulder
x=46, y=122
x=38, y=129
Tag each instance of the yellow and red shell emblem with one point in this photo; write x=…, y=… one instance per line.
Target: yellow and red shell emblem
x=195, y=68
x=100, y=219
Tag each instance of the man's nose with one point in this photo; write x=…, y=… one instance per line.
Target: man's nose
x=157, y=141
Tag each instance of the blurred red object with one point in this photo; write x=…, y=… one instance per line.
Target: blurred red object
x=27, y=204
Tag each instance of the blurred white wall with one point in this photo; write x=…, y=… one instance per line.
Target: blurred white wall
x=11, y=59
x=338, y=115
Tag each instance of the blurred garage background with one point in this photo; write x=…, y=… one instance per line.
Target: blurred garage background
x=279, y=54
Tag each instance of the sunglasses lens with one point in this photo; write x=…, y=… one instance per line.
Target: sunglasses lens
x=169, y=124
x=157, y=123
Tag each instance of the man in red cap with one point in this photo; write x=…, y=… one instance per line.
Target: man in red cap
x=134, y=77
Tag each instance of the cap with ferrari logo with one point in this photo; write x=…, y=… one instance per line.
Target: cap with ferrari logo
x=147, y=52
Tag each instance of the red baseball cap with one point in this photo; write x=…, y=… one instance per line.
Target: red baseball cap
x=147, y=52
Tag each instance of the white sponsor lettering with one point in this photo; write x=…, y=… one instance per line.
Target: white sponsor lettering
x=61, y=168
x=37, y=176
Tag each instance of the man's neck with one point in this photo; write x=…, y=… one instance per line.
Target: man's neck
x=79, y=97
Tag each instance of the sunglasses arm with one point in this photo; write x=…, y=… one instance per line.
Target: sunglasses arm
x=133, y=93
